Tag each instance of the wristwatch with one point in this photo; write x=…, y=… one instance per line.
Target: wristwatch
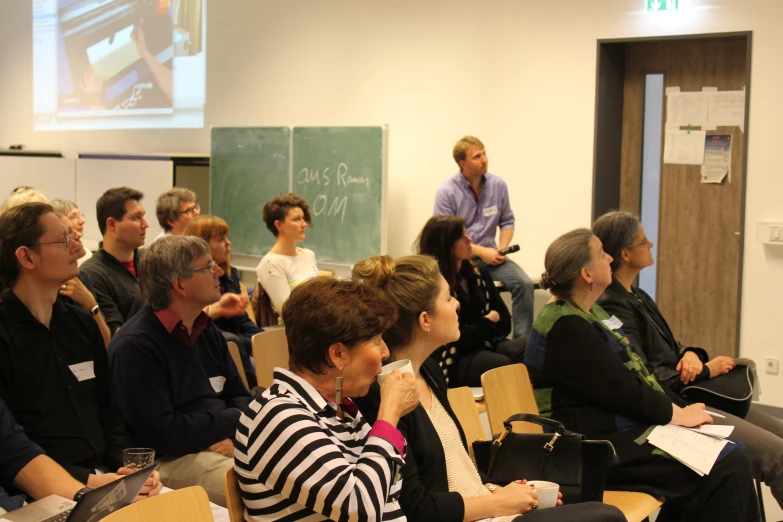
x=95, y=310
x=79, y=494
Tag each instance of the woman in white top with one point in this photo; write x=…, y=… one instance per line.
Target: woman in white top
x=285, y=266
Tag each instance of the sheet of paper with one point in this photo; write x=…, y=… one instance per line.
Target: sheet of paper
x=696, y=450
x=687, y=108
x=726, y=108
x=684, y=147
x=717, y=158
x=719, y=432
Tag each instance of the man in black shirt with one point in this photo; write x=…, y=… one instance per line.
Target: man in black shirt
x=113, y=270
x=53, y=366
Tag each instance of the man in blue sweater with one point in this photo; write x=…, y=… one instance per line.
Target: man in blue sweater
x=173, y=378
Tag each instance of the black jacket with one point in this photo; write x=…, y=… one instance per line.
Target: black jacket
x=649, y=334
x=476, y=298
x=115, y=288
x=425, y=489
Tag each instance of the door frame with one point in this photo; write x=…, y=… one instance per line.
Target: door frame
x=608, y=126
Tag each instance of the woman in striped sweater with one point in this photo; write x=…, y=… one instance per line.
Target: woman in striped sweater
x=303, y=450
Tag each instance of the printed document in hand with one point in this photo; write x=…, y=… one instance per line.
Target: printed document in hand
x=696, y=450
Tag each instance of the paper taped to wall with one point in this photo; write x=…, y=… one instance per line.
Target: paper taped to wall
x=684, y=147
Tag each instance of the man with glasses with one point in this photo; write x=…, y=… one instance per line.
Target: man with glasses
x=54, y=373
x=173, y=378
x=175, y=209
x=113, y=270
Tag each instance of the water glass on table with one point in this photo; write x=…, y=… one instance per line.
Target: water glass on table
x=137, y=458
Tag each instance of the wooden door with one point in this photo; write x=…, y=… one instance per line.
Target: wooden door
x=700, y=246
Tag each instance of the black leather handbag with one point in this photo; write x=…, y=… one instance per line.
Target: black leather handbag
x=577, y=465
x=731, y=392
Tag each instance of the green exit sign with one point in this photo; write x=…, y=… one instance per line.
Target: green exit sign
x=662, y=5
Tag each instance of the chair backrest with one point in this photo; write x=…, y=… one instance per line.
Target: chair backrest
x=464, y=405
x=270, y=349
x=507, y=391
x=182, y=505
x=233, y=349
x=262, y=308
x=234, y=503
x=249, y=307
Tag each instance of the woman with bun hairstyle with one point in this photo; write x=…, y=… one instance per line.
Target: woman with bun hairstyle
x=439, y=481
x=587, y=376
x=484, y=320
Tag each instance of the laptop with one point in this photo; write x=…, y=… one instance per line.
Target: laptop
x=92, y=507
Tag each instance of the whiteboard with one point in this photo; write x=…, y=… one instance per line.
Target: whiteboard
x=55, y=177
x=96, y=176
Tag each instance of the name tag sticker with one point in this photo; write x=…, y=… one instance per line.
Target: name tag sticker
x=83, y=371
x=217, y=383
x=490, y=211
x=613, y=323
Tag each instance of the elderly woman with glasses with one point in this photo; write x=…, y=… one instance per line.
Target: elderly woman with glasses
x=673, y=364
x=69, y=209
x=303, y=449
x=587, y=376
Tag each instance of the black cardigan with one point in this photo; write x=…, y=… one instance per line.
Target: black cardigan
x=425, y=493
x=649, y=334
x=115, y=288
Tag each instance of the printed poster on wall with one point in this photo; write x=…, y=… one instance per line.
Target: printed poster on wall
x=717, y=158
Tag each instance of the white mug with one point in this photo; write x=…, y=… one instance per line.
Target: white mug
x=547, y=493
x=404, y=365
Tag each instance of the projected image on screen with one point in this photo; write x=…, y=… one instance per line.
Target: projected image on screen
x=101, y=64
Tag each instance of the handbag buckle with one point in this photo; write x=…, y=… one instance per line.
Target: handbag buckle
x=549, y=446
x=499, y=440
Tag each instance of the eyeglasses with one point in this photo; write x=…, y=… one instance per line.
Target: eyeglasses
x=76, y=215
x=212, y=266
x=194, y=208
x=645, y=242
x=66, y=241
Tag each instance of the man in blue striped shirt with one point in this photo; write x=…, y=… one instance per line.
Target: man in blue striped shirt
x=481, y=199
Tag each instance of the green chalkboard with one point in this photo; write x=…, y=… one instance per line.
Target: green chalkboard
x=248, y=167
x=339, y=172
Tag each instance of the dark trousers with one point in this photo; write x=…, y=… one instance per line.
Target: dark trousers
x=726, y=494
x=585, y=512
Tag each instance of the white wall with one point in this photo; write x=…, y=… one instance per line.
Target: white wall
x=520, y=74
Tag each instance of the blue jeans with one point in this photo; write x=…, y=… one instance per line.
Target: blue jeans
x=521, y=287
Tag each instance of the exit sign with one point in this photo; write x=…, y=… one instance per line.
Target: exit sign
x=662, y=5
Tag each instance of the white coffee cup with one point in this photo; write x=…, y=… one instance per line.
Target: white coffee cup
x=547, y=493
x=404, y=365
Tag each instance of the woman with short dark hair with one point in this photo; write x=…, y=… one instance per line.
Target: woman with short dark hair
x=588, y=377
x=673, y=364
x=484, y=320
x=303, y=450
x=287, y=217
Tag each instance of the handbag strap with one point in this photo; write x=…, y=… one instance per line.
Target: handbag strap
x=536, y=419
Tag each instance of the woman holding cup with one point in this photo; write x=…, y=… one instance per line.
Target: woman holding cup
x=440, y=481
x=302, y=448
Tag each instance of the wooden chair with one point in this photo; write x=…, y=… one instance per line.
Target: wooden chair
x=508, y=390
x=464, y=405
x=234, y=503
x=263, y=312
x=511, y=392
x=270, y=349
x=233, y=349
x=182, y=505
x=249, y=307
